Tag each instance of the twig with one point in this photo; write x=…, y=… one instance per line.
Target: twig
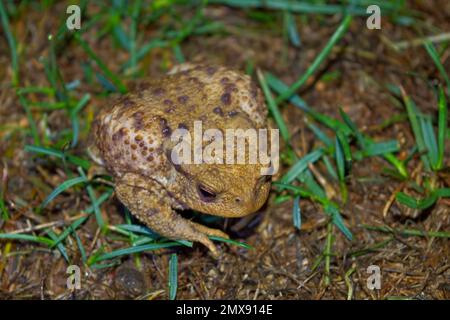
x=420, y=41
x=47, y=224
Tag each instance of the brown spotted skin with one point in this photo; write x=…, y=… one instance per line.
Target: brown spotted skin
x=132, y=139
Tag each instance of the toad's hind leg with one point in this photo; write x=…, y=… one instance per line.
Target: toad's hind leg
x=209, y=231
x=155, y=211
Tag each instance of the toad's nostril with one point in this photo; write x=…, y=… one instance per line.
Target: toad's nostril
x=238, y=200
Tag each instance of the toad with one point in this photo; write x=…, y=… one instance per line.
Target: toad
x=132, y=139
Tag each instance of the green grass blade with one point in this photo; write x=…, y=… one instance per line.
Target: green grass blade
x=44, y=150
x=105, y=196
x=3, y=210
x=273, y=108
x=99, y=266
x=345, y=144
x=26, y=237
x=137, y=6
x=74, y=118
x=340, y=164
x=338, y=220
x=179, y=56
x=378, y=148
x=296, y=213
x=139, y=229
x=61, y=248
x=437, y=61
x=144, y=50
x=354, y=128
x=320, y=134
x=139, y=240
x=430, y=140
x=301, y=165
x=173, y=276
x=279, y=87
x=409, y=232
x=186, y=243
x=421, y=204
x=330, y=167
x=137, y=249
x=114, y=78
x=308, y=7
x=79, y=162
x=338, y=34
x=413, y=119
x=44, y=90
x=329, y=207
x=85, y=164
x=71, y=228
x=75, y=130
x=61, y=188
x=398, y=164
x=442, y=192
x=132, y=232
x=12, y=44
x=54, y=75
x=233, y=242
x=31, y=122
x=105, y=83
x=73, y=85
x=121, y=37
x=291, y=29
x=93, y=197
x=308, y=180
x=80, y=247
x=303, y=192
x=97, y=212
x=442, y=127
x=340, y=161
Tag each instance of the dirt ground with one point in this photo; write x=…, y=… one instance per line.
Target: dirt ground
x=281, y=265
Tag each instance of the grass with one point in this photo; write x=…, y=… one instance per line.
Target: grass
x=437, y=62
x=64, y=156
x=173, y=276
x=358, y=7
x=344, y=132
x=409, y=232
x=338, y=34
x=61, y=188
x=297, y=214
x=12, y=44
x=111, y=76
x=431, y=150
x=340, y=128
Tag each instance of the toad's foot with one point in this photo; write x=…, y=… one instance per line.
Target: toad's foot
x=209, y=231
x=154, y=211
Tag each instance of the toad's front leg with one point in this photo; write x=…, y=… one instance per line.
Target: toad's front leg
x=153, y=209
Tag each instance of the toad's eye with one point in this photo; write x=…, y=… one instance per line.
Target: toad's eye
x=205, y=193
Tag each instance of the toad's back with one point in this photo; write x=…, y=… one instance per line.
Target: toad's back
x=129, y=135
